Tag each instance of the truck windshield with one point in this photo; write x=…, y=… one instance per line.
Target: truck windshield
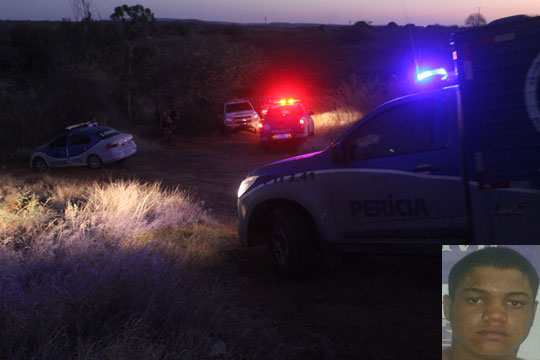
x=243, y=106
x=285, y=110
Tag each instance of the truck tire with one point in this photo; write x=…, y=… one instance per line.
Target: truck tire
x=225, y=131
x=291, y=240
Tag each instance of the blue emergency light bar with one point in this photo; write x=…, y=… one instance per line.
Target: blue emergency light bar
x=421, y=76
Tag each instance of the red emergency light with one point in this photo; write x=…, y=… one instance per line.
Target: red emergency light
x=288, y=101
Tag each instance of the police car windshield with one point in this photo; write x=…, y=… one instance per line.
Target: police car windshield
x=285, y=110
x=106, y=133
x=241, y=106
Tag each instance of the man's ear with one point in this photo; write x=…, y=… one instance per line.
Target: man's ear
x=447, y=303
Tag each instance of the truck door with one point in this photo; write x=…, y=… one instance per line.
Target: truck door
x=401, y=177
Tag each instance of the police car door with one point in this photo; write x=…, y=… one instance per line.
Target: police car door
x=57, y=151
x=400, y=180
x=78, y=145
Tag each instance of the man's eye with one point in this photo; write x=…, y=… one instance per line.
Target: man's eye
x=515, y=304
x=473, y=300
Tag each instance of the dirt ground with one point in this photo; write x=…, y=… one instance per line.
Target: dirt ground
x=367, y=307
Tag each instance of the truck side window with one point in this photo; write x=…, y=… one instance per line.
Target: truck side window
x=399, y=130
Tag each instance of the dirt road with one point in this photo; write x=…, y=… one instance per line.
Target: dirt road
x=367, y=307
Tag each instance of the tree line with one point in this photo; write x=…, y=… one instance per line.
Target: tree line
x=53, y=74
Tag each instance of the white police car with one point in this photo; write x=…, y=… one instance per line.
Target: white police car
x=87, y=144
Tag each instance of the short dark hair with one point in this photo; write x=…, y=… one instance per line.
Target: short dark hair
x=497, y=257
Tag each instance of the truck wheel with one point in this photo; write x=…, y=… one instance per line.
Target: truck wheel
x=292, y=243
x=39, y=165
x=94, y=162
x=225, y=131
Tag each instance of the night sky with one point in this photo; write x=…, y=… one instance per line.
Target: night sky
x=380, y=12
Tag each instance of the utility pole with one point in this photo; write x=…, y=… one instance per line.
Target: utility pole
x=265, y=21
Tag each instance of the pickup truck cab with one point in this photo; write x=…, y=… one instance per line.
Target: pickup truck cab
x=238, y=115
x=456, y=165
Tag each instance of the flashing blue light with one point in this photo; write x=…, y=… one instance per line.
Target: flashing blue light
x=429, y=73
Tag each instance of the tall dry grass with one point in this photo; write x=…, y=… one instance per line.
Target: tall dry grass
x=118, y=270
x=329, y=126
x=339, y=108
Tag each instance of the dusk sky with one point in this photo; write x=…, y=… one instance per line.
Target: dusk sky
x=380, y=12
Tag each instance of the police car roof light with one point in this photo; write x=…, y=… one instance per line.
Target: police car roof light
x=288, y=101
x=82, y=125
x=425, y=75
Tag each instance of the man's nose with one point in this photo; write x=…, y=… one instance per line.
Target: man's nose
x=495, y=310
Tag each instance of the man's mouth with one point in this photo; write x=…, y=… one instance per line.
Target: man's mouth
x=493, y=334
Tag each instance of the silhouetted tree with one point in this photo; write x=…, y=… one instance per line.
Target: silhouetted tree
x=362, y=24
x=475, y=20
x=137, y=24
x=81, y=9
x=137, y=21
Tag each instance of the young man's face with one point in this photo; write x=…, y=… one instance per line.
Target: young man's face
x=491, y=313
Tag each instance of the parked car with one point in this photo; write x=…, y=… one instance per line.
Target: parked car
x=237, y=115
x=285, y=121
x=83, y=144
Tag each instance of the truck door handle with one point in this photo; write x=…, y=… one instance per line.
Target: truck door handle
x=424, y=168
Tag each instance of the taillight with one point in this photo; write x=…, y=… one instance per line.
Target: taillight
x=111, y=145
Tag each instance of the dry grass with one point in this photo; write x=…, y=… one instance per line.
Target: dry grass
x=329, y=126
x=339, y=108
x=120, y=270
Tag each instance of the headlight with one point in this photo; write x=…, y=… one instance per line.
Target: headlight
x=246, y=184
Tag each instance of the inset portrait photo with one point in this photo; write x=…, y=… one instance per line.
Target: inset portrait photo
x=489, y=302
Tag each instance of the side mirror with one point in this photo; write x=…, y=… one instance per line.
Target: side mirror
x=310, y=113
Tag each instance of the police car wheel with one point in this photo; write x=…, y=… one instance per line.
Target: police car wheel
x=94, y=162
x=39, y=165
x=291, y=242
